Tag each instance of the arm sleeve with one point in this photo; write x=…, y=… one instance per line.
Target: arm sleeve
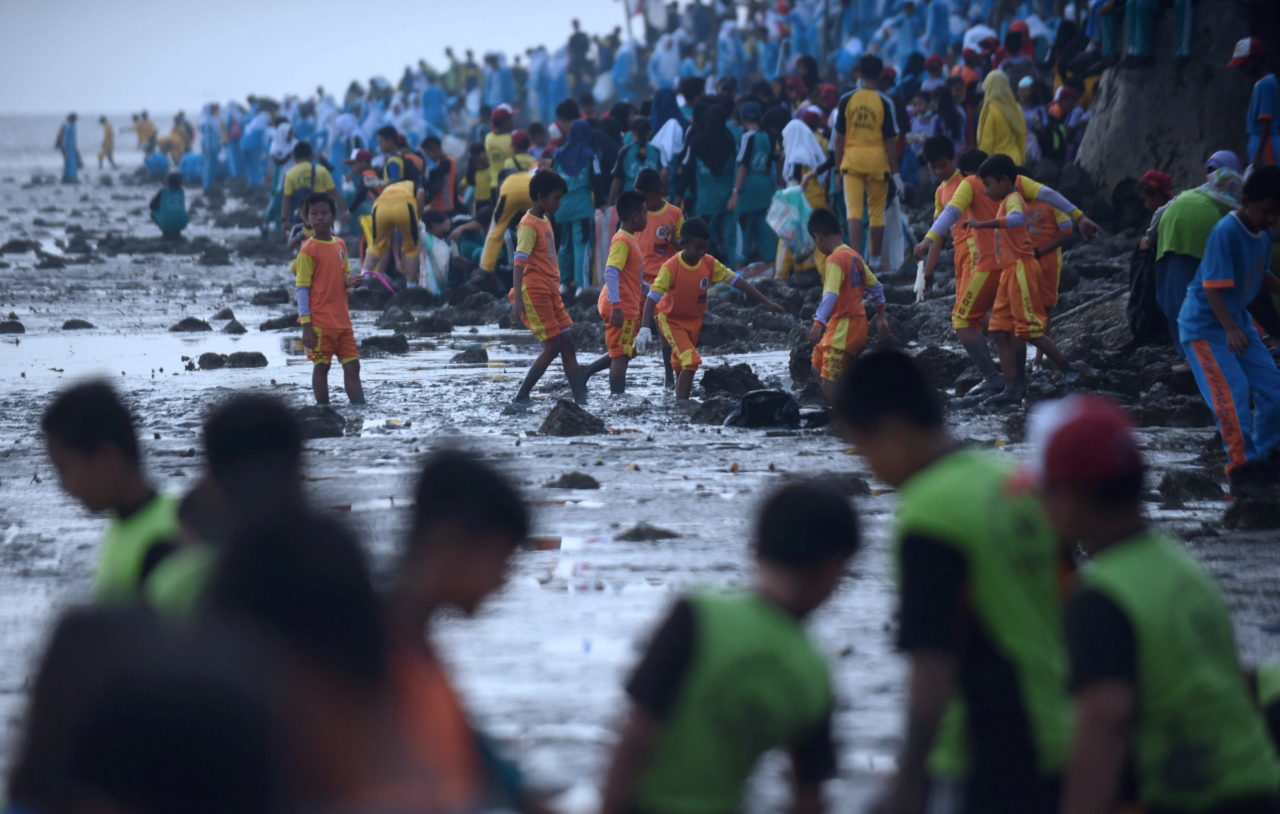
x=1217, y=267
x=813, y=755
x=949, y=217
x=304, y=269
x=611, y=275
x=525, y=240
x=875, y=289
x=1100, y=641
x=619, y=253
x=1040, y=192
x=655, y=684
x=744, y=148
x=1015, y=214
x=661, y=284
x=304, y=302
x=934, y=576
x=832, y=280
x=720, y=273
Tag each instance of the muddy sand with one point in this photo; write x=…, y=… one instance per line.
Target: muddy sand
x=543, y=663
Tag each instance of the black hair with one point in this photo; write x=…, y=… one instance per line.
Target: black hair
x=544, y=183
x=1013, y=43
x=433, y=216
x=253, y=444
x=970, y=161
x=175, y=180
x=695, y=228
x=431, y=143
x=937, y=148
x=870, y=67
x=87, y=416
x=692, y=88
x=302, y=150
x=998, y=166
x=475, y=148
x=388, y=132
x=804, y=526
x=568, y=110
x=824, y=222
x=1263, y=184
x=641, y=127
x=586, y=98
x=456, y=488
x=537, y=129
x=649, y=180
x=884, y=384
x=630, y=203
x=319, y=198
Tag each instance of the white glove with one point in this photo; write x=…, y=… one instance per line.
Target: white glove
x=642, y=340
x=919, y=286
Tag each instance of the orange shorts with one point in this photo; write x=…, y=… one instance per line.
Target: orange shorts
x=619, y=341
x=683, y=339
x=1017, y=308
x=964, y=261
x=332, y=342
x=975, y=299
x=1050, y=274
x=843, y=339
x=544, y=313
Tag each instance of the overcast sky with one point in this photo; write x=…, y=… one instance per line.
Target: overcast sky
x=123, y=55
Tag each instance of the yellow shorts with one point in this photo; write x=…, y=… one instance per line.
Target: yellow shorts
x=875, y=190
x=974, y=301
x=620, y=341
x=332, y=342
x=544, y=313
x=683, y=339
x=397, y=215
x=843, y=339
x=1017, y=308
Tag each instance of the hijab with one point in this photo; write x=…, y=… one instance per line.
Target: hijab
x=577, y=151
x=800, y=148
x=665, y=107
x=711, y=142
x=998, y=95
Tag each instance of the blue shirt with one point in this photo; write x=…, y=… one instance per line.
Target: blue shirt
x=1234, y=261
x=1264, y=107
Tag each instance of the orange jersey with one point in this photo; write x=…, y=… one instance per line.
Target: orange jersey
x=684, y=287
x=971, y=199
x=1012, y=242
x=846, y=275
x=626, y=256
x=438, y=735
x=942, y=196
x=322, y=267
x=658, y=239
x=1044, y=223
x=536, y=251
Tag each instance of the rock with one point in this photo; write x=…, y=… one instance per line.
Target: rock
x=372, y=296
x=225, y=313
x=77, y=325
x=713, y=410
x=269, y=296
x=189, y=325
x=645, y=533
x=567, y=419
x=1175, y=411
x=394, y=316
x=12, y=326
x=395, y=343
x=458, y=294
x=19, y=246
x=320, y=421
x=845, y=482
x=732, y=380
x=212, y=361
x=50, y=261
x=413, y=298
x=479, y=301
x=474, y=355
x=1252, y=514
x=811, y=394
x=717, y=332
x=215, y=255
x=280, y=323
x=941, y=366
x=1181, y=485
x=587, y=298
x=233, y=327
x=431, y=324
x=574, y=480
x=246, y=358
x=765, y=408
x=800, y=364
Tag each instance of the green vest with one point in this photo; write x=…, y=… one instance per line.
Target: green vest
x=1198, y=739
x=1268, y=684
x=755, y=682
x=174, y=587
x=125, y=548
x=971, y=500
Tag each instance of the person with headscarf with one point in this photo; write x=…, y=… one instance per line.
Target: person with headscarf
x=212, y=138
x=66, y=144
x=233, y=124
x=707, y=175
x=729, y=52
x=280, y=152
x=253, y=145
x=664, y=65
x=579, y=164
x=668, y=125
x=623, y=71
x=1002, y=129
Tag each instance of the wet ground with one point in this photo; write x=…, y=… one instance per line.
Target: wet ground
x=543, y=664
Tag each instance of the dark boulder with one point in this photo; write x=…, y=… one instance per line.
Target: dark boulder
x=567, y=419
x=320, y=421
x=225, y=313
x=574, y=480
x=268, y=296
x=645, y=533
x=1178, y=486
x=765, y=408
x=732, y=380
x=713, y=410
x=77, y=325
x=394, y=316
x=1252, y=514
x=212, y=361
x=431, y=324
x=394, y=343
x=280, y=323
x=233, y=327
x=246, y=358
x=189, y=325
x=474, y=355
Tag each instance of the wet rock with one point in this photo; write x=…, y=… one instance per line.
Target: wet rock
x=50, y=261
x=320, y=421
x=246, y=358
x=732, y=380
x=280, y=323
x=941, y=366
x=717, y=331
x=713, y=410
x=567, y=419
x=474, y=355
x=19, y=246
x=898, y=334
x=811, y=394
x=189, y=325
x=234, y=327
x=212, y=361
x=12, y=326
x=413, y=298
x=816, y=419
x=1252, y=514
x=479, y=301
x=644, y=533
x=395, y=343
x=394, y=316
x=431, y=324
x=587, y=298
x=765, y=408
x=225, y=313
x=77, y=325
x=1181, y=485
x=458, y=294
x=372, y=296
x=215, y=255
x=574, y=480
x=800, y=364
x=269, y=296
x=1175, y=411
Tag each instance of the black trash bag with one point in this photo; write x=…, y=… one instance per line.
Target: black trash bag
x=765, y=408
x=1147, y=324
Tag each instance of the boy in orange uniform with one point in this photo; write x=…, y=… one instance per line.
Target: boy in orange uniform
x=322, y=283
x=659, y=241
x=535, y=289
x=1048, y=229
x=1018, y=314
x=680, y=296
x=839, y=331
x=622, y=294
x=940, y=155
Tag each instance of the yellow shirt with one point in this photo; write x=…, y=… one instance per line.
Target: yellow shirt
x=299, y=177
x=498, y=147
x=995, y=136
x=865, y=122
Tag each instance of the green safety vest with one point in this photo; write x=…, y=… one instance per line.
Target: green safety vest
x=126, y=545
x=1198, y=739
x=971, y=500
x=175, y=586
x=755, y=682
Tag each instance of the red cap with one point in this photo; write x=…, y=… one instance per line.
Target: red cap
x=1161, y=182
x=359, y=155
x=1086, y=440
x=934, y=62
x=1245, y=49
x=889, y=72
x=1021, y=27
x=520, y=141
x=500, y=115
x=811, y=118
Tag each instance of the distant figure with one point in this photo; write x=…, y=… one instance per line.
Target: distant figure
x=169, y=208
x=108, y=143
x=1264, y=103
x=66, y=144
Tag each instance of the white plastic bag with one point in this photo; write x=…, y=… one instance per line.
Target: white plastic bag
x=918, y=288
x=788, y=217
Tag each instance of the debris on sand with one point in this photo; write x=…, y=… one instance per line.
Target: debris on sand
x=225, y=313
x=215, y=255
x=212, y=361
x=567, y=419
x=1182, y=485
x=941, y=366
x=77, y=325
x=395, y=343
x=280, y=323
x=269, y=296
x=246, y=358
x=474, y=355
x=394, y=316
x=574, y=480
x=431, y=324
x=765, y=408
x=234, y=327
x=645, y=533
x=19, y=246
x=320, y=421
x=189, y=325
x=11, y=326
x=732, y=380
